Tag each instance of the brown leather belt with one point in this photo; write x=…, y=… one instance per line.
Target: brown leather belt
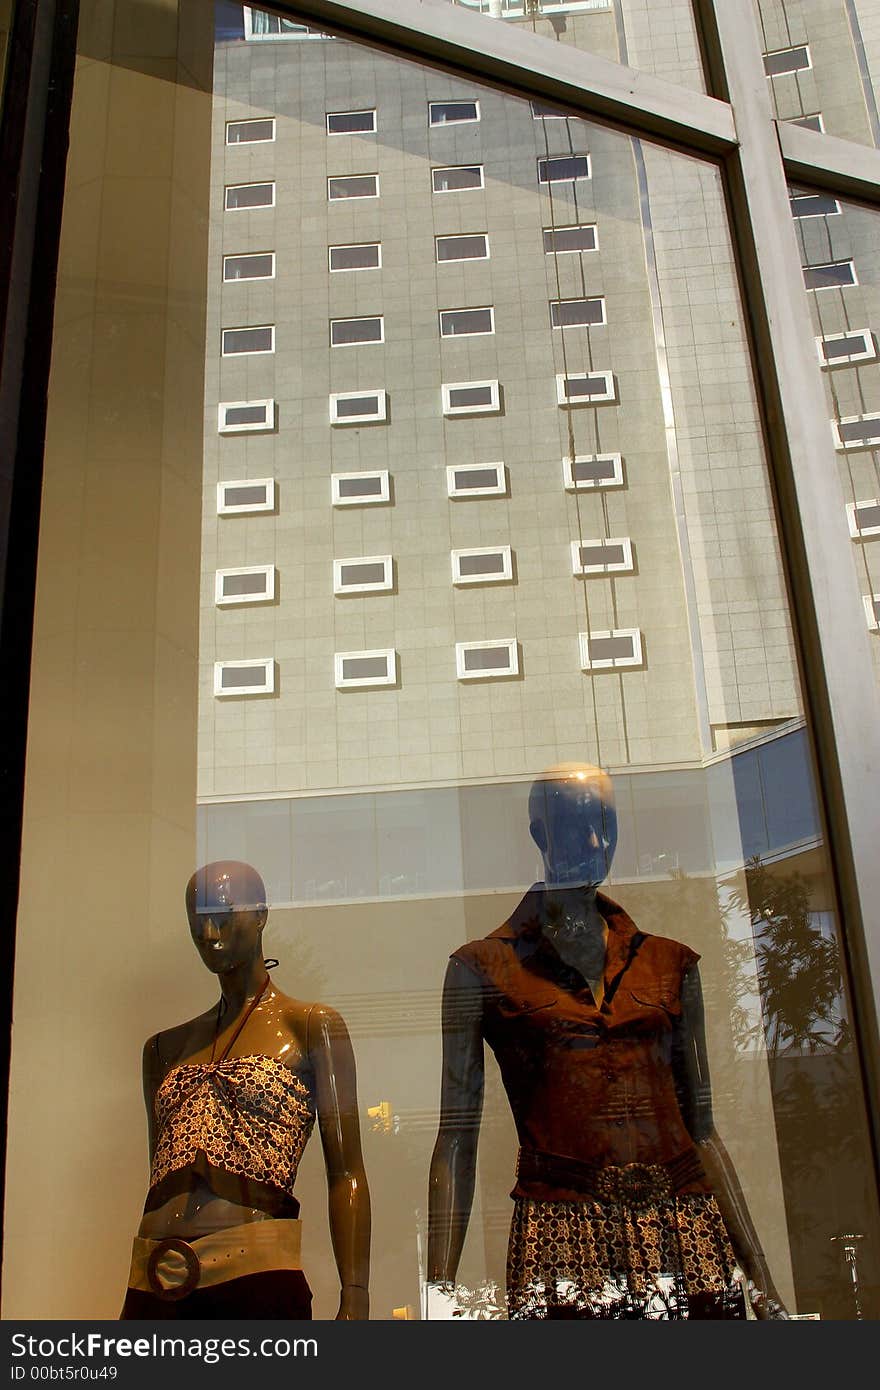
x=172, y=1267
x=631, y=1184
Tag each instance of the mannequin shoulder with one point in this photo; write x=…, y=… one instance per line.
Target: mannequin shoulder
x=311, y=1021
x=162, y=1050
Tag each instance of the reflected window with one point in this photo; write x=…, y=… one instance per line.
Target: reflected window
x=471, y=397
x=242, y=342
x=351, y=122
x=482, y=565
x=863, y=518
x=349, y=332
x=358, y=407
x=251, y=584
x=586, y=388
x=242, y=196
x=366, y=668
x=476, y=480
x=457, y=178
x=360, y=489
x=254, y=266
x=368, y=574
x=564, y=168
x=611, y=556
x=483, y=661
x=856, y=431
x=577, y=313
x=245, y=495
x=610, y=650
x=453, y=112
x=241, y=417
x=466, y=323
x=244, y=677
x=340, y=187
x=833, y=275
x=473, y=247
x=845, y=349
x=365, y=255
x=250, y=132
x=785, y=60
x=592, y=471
x=563, y=240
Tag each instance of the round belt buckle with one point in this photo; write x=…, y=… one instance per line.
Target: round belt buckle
x=193, y=1268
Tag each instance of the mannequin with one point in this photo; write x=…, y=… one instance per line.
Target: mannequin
x=626, y=1204
x=231, y=1099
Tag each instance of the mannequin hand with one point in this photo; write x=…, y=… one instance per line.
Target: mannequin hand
x=354, y=1304
x=766, y=1303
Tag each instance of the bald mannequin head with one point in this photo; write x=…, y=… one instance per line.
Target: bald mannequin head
x=226, y=907
x=573, y=821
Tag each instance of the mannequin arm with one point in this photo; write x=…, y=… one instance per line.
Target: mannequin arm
x=454, y=1161
x=153, y=1071
x=332, y=1061
x=690, y=1063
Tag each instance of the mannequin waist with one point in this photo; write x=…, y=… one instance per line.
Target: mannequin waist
x=197, y=1211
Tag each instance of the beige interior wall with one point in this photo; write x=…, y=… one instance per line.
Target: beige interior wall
x=110, y=797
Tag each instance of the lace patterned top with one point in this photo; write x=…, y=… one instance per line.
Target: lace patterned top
x=245, y=1116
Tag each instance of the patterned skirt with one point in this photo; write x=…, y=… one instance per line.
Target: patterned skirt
x=591, y=1259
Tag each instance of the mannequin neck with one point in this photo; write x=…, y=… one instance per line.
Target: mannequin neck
x=239, y=985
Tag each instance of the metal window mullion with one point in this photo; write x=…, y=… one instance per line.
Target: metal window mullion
x=493, y=52
x=837, y=671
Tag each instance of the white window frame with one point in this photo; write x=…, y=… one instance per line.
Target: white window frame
x=572, y=178
x=445, y=168
x=267, y=688
x=228, y=600
x=469, y=309
x=266, y=424
x=244, y=508
x=848, y=446
x=458, y=236
x=790, y=48
x=361, y=318
x=352, y=197
x=825, y=265
x=573, y=484
x=492, y=409
x=510, y=643
x=352, y=269
x=363, y=111
x=364, y=500
x=453, y=101
x=608, y=397
x=575, y=250
x=611, y=663
x=463, y=494
x=805, y=216
x=810, y=116
x=624, y=566
x=381, y=587
x=580, y=299
x=869, y=600
x=247, y=328
x=502, y=576
x=365, y=682
x=246, y=279
x=868, y=352
x=252, y=183
x=857, y=532
x=379, y=418
x=251, y=120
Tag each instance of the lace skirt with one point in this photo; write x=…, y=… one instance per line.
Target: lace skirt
x=669, y=1260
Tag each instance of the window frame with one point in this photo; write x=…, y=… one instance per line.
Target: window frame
x=383, y=497
x=352, y=197
x=502, y=576
x=384, y=586
x=860, y=533
x=378, y=419
x=265, y=427
x=247, y=328
x=447, y=168
x=362, y=342
x=469, y=309
x=609, y=397
x=237, y=692
x=580, y=299
x=457, y=494
x=251, y=207
x=350, y=246
x=491, y=673
x=572, y=484
x=624, y=566
x=449, y=410
x=873, y=619
x=344, y=682
x=826, y=265
x=847, y=447
x=251, y=120
x=573, y=250
x=222, y=600
x=789, y=48
x=245, y=508
x=460, y=236
x=548, y=159
x=464, y=120
x=614, y=663
x=850, y=359
x=246, y=256
x=364, y=111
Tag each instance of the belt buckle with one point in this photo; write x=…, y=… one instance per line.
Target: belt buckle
x=193, y=1268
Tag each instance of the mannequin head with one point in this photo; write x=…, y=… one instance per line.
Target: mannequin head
x=573, y=822
x=226, y=907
